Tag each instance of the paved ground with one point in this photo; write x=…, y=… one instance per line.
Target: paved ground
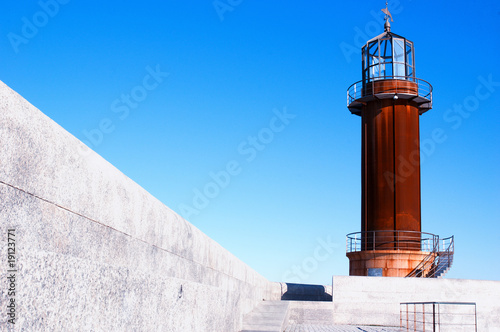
x=302, y=316
x=338, y=328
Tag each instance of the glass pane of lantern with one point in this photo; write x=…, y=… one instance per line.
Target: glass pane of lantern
x=386, y=49
x=375, y=70
x=410, y=71
x=399, y=69
x=373, y=48
x=372, y=59
x=409, y=54
x=387, y=67
x=399, y=50
x=363, y=57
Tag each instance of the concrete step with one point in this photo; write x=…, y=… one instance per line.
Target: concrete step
x=269, y=316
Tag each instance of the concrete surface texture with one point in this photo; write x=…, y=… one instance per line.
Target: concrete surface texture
x=96, y=252
x=310, y=313
x=267, y=316
x=375, y=300
x=298, y=316
x=339, y=328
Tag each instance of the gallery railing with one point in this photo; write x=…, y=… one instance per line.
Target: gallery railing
x=399, y=85
x=391, y=240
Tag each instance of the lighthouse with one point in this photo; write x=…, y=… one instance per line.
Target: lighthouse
x=390, y=99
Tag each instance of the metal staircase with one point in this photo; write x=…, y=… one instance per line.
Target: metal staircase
x=438, y=262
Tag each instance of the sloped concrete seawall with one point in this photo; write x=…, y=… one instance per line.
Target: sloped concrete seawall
x=96, y=252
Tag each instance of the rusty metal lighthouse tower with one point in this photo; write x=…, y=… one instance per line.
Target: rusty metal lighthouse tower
x=390, y=99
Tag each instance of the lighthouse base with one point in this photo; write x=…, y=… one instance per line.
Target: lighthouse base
x=384, y=263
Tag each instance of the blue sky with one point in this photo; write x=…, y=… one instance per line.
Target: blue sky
x=245, y=103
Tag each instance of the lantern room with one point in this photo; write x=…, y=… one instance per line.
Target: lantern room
x=388, y=56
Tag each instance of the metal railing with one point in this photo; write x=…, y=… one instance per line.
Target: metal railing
x=391, y=240
x=447, y=244
x=438, y=316
x=363, y=89
x=437, y=262
x=439, y=252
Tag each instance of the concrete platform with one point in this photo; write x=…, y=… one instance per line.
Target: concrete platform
x=375, y=300
x=300, y=316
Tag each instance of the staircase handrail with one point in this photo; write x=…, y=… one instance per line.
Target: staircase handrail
x=443, y=248
x=450, y=247
x=444, y=251
x=429, y=259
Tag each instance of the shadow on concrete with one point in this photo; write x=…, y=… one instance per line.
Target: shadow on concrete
x=302, y=292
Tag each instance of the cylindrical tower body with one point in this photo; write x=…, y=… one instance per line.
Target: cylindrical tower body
x=391, y=170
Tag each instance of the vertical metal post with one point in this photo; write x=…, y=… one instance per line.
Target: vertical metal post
x=407, y=326
x=423, y=315
x=400, y=318
x=439, y=317
x=414, y=317
x=434, y=317
x=475, y=317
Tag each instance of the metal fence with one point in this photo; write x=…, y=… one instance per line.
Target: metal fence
x=438, y=316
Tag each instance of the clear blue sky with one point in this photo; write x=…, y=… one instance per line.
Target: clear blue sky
x=290, y=182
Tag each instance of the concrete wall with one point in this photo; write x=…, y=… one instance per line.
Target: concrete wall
x=310, y=312
x=375, y=300
x=96, y=252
